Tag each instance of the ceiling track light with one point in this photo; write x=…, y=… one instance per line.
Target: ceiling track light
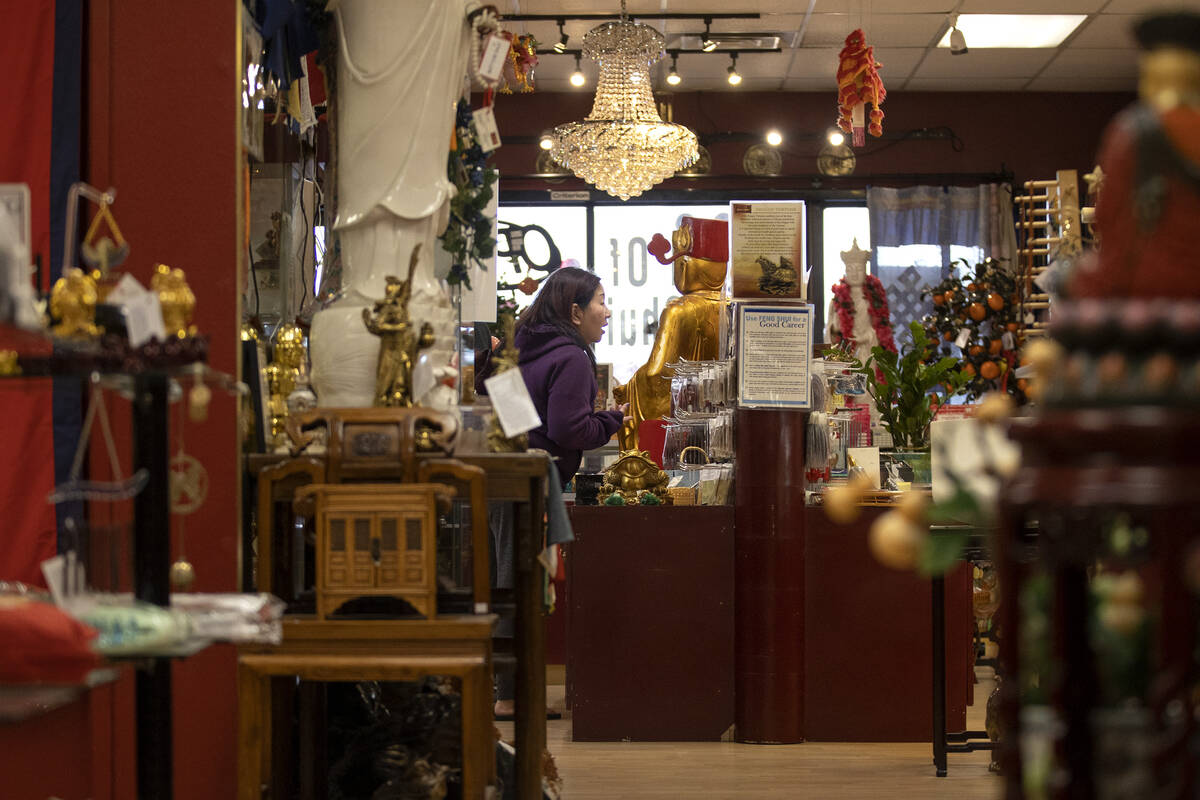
x=774, y=137
x=708, y=44
x=577, y=77
x=673, y=76
x=561, y=45
x=958, y=42
x=734, y=76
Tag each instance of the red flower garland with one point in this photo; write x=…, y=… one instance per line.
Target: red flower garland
x=877, y=308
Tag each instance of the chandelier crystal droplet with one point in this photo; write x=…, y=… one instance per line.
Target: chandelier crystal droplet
x=623, y=147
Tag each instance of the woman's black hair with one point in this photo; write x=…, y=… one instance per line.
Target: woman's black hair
x=564, y=288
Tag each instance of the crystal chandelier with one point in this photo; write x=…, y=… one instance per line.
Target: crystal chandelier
x=623, y=146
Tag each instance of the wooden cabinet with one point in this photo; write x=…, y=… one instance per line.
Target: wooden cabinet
x=376, y=540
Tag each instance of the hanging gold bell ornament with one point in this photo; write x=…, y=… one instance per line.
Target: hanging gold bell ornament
x=188, y=490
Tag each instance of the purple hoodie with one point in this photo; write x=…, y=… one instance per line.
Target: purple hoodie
x=562, y=382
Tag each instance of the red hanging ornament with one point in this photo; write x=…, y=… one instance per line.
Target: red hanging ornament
x=859, y=84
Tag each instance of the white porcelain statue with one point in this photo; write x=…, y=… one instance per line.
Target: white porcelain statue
x=400, y=71
x=863, y=334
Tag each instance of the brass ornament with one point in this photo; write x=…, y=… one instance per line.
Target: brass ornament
x=188, y=483
x=73, y=303
x=632, y=476
x=176, y=300
x=398, y=344
x=8, y=363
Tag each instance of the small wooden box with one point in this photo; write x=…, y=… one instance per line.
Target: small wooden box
x=376, y=540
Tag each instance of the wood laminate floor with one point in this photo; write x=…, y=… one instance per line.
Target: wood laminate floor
x=723, y=771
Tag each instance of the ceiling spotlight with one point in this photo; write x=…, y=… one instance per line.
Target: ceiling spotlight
x=958, y=42
x=774, y=138
x=561, y=45
x=836, y=137
x=673, y=76
x=577, y=78
x=546, y=141
x=708, y=44
x=734, y=78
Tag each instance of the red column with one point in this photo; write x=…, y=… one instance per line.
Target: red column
x=769, y=577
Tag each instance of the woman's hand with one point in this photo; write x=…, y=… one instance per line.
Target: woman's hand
x=624, y=409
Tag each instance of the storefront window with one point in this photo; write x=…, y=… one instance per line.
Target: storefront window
x=567, y=227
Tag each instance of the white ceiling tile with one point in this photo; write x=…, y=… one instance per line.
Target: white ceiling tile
x=761, y=65
x=897, y=63
x=882, y=30
x=997, y=63
x=958, y=85
x=1084, y=63
x=1143, y=6
x=1106, y=30
x=769, y=23
x=1031, y=7
x=809, y=62
x=1088, y=84
x=887, y=6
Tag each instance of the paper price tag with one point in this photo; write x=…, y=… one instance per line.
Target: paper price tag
x=1008, y=341
x=143, y=319
x=486, y=131
x=494, y=52
x=126, y=290
x=964, y=336
x=512, y=403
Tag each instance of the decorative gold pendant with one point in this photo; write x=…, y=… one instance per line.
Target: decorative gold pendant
x=188, y=482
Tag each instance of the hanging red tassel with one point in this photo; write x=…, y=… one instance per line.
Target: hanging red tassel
x=859, y=84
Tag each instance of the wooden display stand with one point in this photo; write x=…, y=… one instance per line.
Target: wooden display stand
x=515, y=478
x=374, y=539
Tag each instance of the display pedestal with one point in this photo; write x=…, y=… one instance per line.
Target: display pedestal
x=769, y=563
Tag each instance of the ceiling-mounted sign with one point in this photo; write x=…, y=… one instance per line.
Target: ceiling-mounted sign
x=570, y=197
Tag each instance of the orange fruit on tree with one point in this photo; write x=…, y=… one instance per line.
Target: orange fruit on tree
x=1012, y=327
x=969, y=368
x=995, y=346
x=989, y=370
x=975, y=349
x=971, y=286
x=948, y=335
x=977, y=311
x=1022, y=384
x=939, y=299
x=995, y=302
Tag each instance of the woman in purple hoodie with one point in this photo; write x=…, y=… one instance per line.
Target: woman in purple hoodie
x=555, y=337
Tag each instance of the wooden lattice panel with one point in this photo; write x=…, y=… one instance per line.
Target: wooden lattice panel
x=1048, y=227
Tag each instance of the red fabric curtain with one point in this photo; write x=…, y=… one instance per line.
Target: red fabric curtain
x=27, y=525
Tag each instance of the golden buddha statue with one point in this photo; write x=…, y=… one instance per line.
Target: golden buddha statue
x=73, y=303
x=398, y=345
x=689, y=327
x=176, y=299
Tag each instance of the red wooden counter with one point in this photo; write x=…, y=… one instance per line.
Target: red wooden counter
x=650, y=633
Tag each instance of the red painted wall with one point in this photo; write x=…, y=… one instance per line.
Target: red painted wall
x=1032, y=134
x=160, y=126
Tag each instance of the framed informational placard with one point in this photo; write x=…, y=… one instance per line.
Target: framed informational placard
x=774, y=345
x=766, y=249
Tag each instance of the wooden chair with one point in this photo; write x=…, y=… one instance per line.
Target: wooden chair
x=372, y=489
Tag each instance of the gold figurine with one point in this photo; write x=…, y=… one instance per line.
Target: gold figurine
x=689, y=327
x=73, y=303
x=288, y=357
x=632, y=476
x=398, y=345
x=176, y=299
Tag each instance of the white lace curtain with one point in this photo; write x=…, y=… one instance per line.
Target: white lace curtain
x=943, y=219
